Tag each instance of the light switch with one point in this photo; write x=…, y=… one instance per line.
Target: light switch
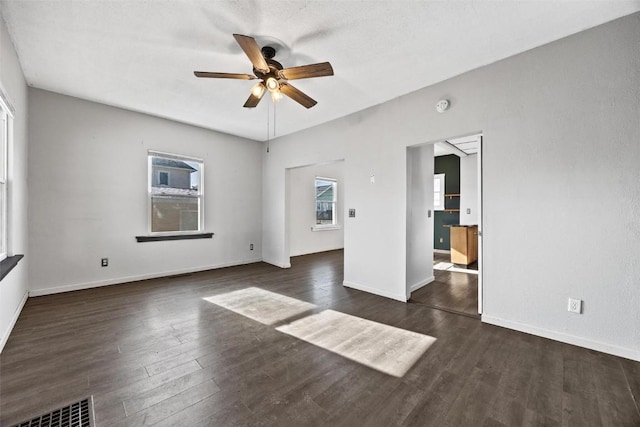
x=352, y=213
x=429, y=213
x=468, y=211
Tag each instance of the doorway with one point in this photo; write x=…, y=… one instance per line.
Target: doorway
x=456, y=260
x=314, y=219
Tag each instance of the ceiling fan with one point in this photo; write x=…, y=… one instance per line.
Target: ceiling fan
x=275, y=78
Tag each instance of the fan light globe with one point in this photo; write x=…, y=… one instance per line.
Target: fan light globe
x=257, y=90
x=276, y=95
x=272, y=84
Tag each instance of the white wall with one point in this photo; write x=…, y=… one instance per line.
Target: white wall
x=420, y=168
x=469, y=189
x=88, y=195
x=555, y=120
x=302, y=213
x=13, y=288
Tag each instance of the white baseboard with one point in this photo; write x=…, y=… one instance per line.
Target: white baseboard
x=278, y=264
x=337, y=248
x=420, y=284
x=627, y=353
x=441, y=251
x=397, y=297
x=14, y=319
x=120, y=280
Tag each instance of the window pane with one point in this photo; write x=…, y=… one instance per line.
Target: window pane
x=164, y=178
x=175, y=194
x=438, y=192
x=326, y=197
x=3, y=145
x=3, y=219
x=325, y=212
x=174, y=214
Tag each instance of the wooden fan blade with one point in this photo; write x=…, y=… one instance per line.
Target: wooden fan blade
x=224, y=75
x=307, y=71
x=252, y=50
x=297, y=95
x=253, y=100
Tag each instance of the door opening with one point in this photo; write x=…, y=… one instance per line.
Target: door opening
x=456, y=258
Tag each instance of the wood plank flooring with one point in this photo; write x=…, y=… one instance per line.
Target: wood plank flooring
x=156, y=353
x=450, y=291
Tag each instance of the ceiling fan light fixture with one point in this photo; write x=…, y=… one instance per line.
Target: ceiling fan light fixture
x=276, y=95
x=271, y=74
x=258, y=90
x=272, y=84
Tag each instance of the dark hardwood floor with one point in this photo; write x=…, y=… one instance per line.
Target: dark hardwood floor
x=156, y=352
x=450, y=291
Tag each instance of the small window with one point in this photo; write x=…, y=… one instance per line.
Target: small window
x=438, y=192
x=326, y=201
x=163, y=178
x=176, y=204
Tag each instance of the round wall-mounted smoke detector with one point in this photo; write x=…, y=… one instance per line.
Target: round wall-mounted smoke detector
x=442, y=105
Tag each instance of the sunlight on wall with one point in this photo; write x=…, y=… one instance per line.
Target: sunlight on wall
x=381, y=347
x=260, y=305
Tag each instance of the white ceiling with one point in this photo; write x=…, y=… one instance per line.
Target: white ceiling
x=141, y=54
x=461, y=147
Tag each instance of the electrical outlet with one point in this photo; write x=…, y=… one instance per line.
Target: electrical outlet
x=251, y=247
x=575, y=306
x=104, y=262
x=468, y=211
x=441, y=240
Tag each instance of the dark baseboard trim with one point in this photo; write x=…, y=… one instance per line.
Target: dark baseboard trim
x=141, y=239
x=7, y=264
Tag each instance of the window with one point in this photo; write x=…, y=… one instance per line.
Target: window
x=438, y=192
x=163, y=177
x=326, y=201
x=6, y=118
x=176, y=204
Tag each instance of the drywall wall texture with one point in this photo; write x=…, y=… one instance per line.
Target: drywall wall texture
x=302, y=213
x=469, y=190
x=419, y=217
x=13, y=288
x=556, y=120
x=88, y=195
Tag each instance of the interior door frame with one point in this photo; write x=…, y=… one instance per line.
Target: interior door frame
x=480, y=226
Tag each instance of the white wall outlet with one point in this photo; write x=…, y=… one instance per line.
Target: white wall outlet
x=575, y=306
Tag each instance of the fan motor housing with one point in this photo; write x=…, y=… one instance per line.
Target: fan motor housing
x=274, y=68
x=268, y=52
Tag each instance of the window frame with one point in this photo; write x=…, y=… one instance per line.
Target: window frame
x=200, y=196
x=334, y=224
x=7, y=116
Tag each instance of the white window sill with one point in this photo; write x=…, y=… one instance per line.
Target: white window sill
x=325, y=227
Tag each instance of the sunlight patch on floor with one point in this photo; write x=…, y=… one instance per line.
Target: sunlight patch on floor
x=382, y=347
x=260, y=305
x=447, y=266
